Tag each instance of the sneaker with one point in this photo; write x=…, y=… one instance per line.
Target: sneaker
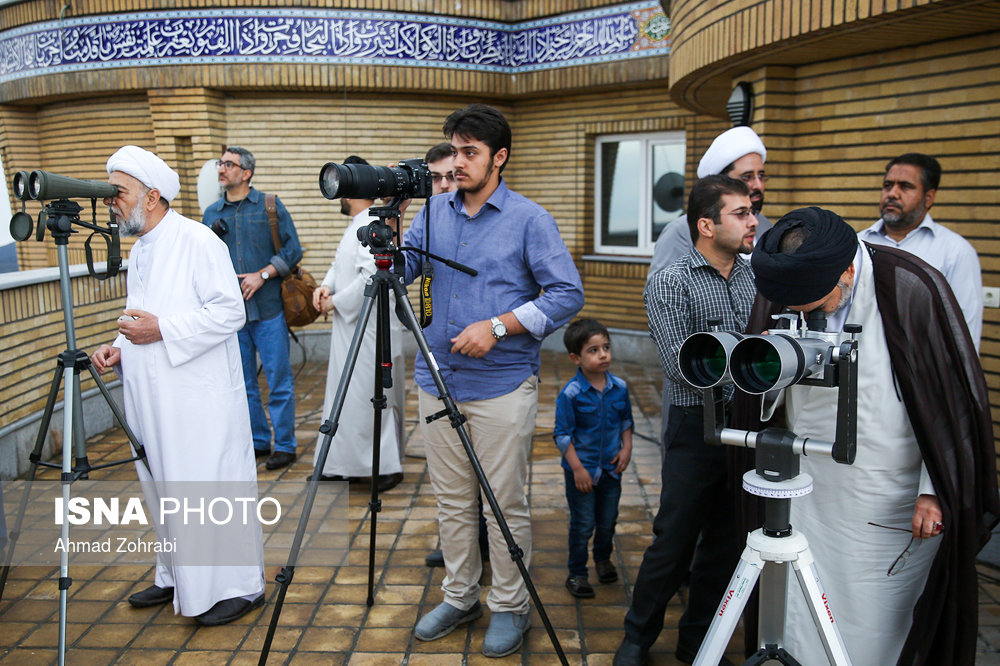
x=579, y=587
x=606, y=572
x=444, y=619
x=505, y=633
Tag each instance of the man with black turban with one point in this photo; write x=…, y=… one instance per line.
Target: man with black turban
x=925, y=465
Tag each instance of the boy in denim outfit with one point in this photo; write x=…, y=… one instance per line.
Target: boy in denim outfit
x=594, y=434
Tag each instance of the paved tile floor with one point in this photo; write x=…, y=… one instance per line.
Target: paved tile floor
x=325, y=619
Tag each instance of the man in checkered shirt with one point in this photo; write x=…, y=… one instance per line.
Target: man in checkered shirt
x=695, y=528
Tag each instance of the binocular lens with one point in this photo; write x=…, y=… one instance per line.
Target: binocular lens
x=703, y=358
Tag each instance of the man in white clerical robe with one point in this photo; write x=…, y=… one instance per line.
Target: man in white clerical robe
x=342, y=294
x=179, y=358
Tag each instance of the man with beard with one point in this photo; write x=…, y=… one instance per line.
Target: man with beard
x=738, y=153
x=894, y=535
x=694, y=529
x=342, y=294
x=486, y=336
x=241, y=219
x=178, y=357
x=908, y=192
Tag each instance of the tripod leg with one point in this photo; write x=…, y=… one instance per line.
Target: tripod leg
x=35, y=457
x=81, y=466
x=812, y=588
x=457, y=422
x=67, y=479
x=383, y=376
x=328, y=430
x=773, y=590
x=720, y=632
x=140, y=452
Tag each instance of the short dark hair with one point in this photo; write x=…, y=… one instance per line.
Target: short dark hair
x=354, y=159
x=930, y=168
x=705, y=199
x=439, y=152
x=580, y=331
x=247, y=160
x=483, y=123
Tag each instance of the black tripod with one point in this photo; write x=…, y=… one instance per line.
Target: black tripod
x=60, y=216
x=378, y=237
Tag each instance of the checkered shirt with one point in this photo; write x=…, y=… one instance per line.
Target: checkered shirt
x=681, y=299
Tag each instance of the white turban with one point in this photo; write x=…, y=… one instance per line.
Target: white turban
x=728, y=147
x=147, y=168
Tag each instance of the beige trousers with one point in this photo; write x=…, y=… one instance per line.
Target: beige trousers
x=500, y=429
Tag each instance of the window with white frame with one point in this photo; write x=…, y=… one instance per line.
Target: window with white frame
x=639, y=188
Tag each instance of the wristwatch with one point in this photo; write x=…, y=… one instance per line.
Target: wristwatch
x=499, y=329
x=264, y=275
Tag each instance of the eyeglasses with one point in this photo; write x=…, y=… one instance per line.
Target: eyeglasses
x=450, y=177
x=740, y=213
x=225, y=164
x=911, y=547
x=750, y=176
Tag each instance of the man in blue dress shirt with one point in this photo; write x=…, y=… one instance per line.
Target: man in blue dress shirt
x=485, y=337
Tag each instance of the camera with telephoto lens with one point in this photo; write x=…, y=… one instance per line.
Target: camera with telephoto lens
x=409, y=179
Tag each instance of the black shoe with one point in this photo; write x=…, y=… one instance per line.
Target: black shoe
x=606, y=572
x=389, y=481
x=279, y=459
x=579, y=587
x=686, y=656
x=630, y=654
x=152, y=596
x=260, y=453
x=435, y=559
x=228, y=610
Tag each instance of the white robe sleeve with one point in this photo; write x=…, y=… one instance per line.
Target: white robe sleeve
x=348, y=298
x=189, y=334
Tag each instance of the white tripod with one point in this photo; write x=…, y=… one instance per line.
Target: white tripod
x=775, y=543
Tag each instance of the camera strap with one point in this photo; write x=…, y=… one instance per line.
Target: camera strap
x=113, y=244
x=426, y=275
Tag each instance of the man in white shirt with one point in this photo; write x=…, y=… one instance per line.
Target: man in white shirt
x=908, y=192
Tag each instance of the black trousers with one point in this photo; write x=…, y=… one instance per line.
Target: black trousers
x=694, y=530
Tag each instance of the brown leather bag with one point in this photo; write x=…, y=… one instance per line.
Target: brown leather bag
x=298, y=286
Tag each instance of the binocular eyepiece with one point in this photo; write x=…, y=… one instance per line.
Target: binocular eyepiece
x=755, y=363
x=44, y=185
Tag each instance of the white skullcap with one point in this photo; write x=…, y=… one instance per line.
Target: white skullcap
x=147, y=168
x=728, y=147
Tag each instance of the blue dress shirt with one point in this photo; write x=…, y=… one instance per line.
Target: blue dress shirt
x=251, y=246
x=524, y=268
x=593, y=422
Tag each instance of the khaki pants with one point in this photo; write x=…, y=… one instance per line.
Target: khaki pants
x=500, y=429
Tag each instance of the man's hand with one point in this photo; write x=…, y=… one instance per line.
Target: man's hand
x=927, y=517
x=322, y=300
x=475, y=341
x=582, y=480
x=249, y=284
x=105, y=357
x=621, y=460
x=139, y=327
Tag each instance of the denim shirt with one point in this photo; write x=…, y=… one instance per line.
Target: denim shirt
x=593, y=422
x=251, y=247
x=524, y=268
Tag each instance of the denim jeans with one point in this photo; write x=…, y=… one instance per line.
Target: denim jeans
x=269, y=338
x=594, y=513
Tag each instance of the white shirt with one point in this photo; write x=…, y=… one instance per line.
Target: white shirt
x=948, y=252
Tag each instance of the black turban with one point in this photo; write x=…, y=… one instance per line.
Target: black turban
x=812, y=271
